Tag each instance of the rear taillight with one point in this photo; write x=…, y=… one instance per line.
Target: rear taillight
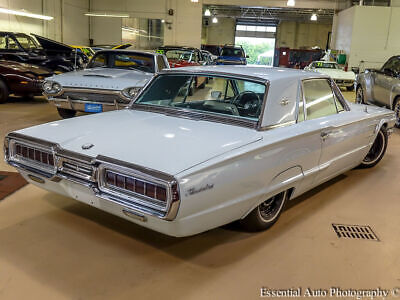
x=136, y=185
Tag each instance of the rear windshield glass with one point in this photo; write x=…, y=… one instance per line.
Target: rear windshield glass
x=215, y=95
x=132, y=61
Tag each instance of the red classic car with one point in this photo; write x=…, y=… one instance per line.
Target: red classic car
x=184, y=57
x=21, y=79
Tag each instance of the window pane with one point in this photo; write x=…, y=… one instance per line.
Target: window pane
x=251, y=28
x=215, y=95
x=241, y=27
x=320, y=101
x=271, y=29
x=261, y=28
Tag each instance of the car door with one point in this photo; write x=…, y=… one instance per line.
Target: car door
x=344, y=134
x=384, y=79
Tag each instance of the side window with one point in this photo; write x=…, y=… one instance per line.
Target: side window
x=319, y=98
x=390, y=64
x=160, y=63
x=98, y=61
x=3, y=42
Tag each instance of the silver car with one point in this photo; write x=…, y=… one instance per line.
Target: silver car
x=381, y=87
x=111, y=80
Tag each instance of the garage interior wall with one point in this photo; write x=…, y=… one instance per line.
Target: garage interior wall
x=357, y=26
x=69, y=24
x=294, y=35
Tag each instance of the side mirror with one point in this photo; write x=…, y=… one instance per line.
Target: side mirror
x=216, y=94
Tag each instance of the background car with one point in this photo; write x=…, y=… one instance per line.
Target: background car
x=232, y=55
x=34, y=49
x=110, y=81
x=341, y=77
x=89, y=52
x=21, y=79
x=381, y=86
x=181, y=164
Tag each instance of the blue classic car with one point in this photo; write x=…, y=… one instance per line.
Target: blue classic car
x=232, y=55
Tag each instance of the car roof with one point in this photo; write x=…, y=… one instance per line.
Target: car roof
x=263, y=73
x=127, y=51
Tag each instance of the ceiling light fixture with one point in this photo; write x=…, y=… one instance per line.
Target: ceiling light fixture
x=207, y=13
x=94, y=14
x=215, y=20
x=24, y=14
x=291, y=3
x=314, y=17
x=194, y=1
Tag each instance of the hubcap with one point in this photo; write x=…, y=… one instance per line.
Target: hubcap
x=376, y=150
x=270, y=209
x=359, y=96
x=397, y=113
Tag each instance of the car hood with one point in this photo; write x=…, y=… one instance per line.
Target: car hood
x=52, y=46
x=25, y=68
x=338, y=74
x=103, y=78
x=156, y=141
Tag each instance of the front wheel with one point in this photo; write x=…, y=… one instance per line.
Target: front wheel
x=377, y=150
x=396, y=108
x=360, y=95
x=66, y=113
x=266, y=214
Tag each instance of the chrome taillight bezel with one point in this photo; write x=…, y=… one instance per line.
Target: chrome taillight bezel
x=131, y=196
x=15, y=157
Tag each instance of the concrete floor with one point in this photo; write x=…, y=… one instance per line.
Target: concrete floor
x=52, y=247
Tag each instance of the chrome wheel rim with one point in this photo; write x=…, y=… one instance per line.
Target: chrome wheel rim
x=376, y=150
x=359, y=96
x=270, y=209
x=397, y=113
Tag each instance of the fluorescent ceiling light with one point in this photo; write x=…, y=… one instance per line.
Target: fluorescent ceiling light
x=24, y=14
x=207, y=13
x=291, y=3
x=215, y=20
x=314, y=17
x=112, y=15
x=195, y=1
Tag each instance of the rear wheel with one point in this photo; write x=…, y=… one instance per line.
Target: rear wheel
x=66, y=113
x=360, y=95
x=4, y=92
x=266, y=214
x=396, y=108
x=377, y=150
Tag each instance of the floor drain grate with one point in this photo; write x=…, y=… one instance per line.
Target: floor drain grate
x=355, y=232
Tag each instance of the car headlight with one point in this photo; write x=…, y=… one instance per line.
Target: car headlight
x=130, y=92
x=51, y=87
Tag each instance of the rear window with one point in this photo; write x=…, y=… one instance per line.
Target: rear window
x=235, y=52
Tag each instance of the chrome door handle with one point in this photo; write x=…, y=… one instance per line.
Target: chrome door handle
x=325, y=135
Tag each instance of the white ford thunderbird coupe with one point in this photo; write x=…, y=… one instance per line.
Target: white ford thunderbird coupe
x=182, y=163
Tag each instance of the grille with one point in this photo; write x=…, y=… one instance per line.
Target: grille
x=77, y=169
x=37, y=84
x=355, y=232
x=95, y=97
x=34, y=154
x=136, y=186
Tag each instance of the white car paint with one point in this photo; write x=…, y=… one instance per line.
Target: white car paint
x=223, y=171
x=336, y=74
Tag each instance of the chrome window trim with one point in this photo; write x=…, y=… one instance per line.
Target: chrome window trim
x=197, y=115
x=329, y=80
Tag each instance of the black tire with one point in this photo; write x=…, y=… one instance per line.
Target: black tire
x=396, y=109
x=66, y=113
x=377, y=150
x=350, y=88
x=266, y=214
x=4, y=92
x=360, y=95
